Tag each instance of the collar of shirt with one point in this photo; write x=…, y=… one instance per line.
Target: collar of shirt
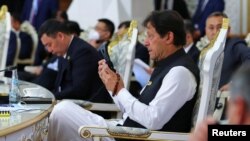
x=65, y=55
x=188, y=47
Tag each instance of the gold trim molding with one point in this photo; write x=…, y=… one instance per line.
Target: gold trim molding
x=3, y=11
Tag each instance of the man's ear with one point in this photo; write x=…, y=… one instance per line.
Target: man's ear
x=169, y=37
x=108, y=34
x=60, y=35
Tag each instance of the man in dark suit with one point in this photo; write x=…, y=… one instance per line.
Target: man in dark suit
x=77, y=65
x=236, y=51
x=18, y=39
x=190, y=47
x=204, y=9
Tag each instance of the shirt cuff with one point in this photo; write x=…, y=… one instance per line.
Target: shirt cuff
x=125, y=98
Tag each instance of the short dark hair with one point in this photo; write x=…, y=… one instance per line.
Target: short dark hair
x=189, y=26
x=109, y=24
x=165, y=21
x=239, y=85
x=125, y=24
x=53, y=26
x=217, y=14
x=17, y=17
x=73, y=27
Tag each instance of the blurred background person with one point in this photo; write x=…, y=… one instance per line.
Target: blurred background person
x=190, y=46
x=102, y=33
x=20, y=43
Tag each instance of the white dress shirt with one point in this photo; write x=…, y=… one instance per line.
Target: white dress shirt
x=187, y=48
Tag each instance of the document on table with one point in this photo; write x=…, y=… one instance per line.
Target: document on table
x=139, y=70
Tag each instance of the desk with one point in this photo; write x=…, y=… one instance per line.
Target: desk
x=29, y=125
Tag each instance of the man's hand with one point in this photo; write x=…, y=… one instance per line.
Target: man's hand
x=200, y=133
x=109, y=78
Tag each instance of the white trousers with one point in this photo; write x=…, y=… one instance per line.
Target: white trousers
x=67, y=117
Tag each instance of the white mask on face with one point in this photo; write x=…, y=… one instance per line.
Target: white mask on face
x=93, y=35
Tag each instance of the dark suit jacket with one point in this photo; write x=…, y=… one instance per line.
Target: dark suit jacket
x=48, y=76
x=25, y=50
x=26, y=45
x=236, y=53
x=200, y=16
x=46, y=9
x=11, y=49
x=78, y=74
x=194, y=53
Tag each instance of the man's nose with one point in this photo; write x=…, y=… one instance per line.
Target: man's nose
x=146, y=42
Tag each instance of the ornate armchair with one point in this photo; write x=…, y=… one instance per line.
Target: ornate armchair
x=28, y=28
x=5, y=24
x=210, y=74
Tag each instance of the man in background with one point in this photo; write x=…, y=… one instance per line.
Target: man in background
x=236, y=51
x=102, y=33
x=190, y=46
x=20, y=43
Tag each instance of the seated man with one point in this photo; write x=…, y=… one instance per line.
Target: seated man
x=165, y=100
x=190, y=46
x=102, y=33
x=18, y=39
x=236, y=51
x=45, y=75
x=77, y=76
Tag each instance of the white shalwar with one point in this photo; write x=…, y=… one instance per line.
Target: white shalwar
x=178, y=87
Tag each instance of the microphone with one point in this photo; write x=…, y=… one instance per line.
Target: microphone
x=10, y=68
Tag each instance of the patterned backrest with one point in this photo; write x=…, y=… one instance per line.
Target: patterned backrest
x=122, y=52
x=211, y=59
x=5, y=28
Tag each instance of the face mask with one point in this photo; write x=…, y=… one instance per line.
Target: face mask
x=93, y=35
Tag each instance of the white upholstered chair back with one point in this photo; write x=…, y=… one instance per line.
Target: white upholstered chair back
x=122, y=53
x=5, y=28
x=211, y=59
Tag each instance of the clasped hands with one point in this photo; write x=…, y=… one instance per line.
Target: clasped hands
x=111, y=79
